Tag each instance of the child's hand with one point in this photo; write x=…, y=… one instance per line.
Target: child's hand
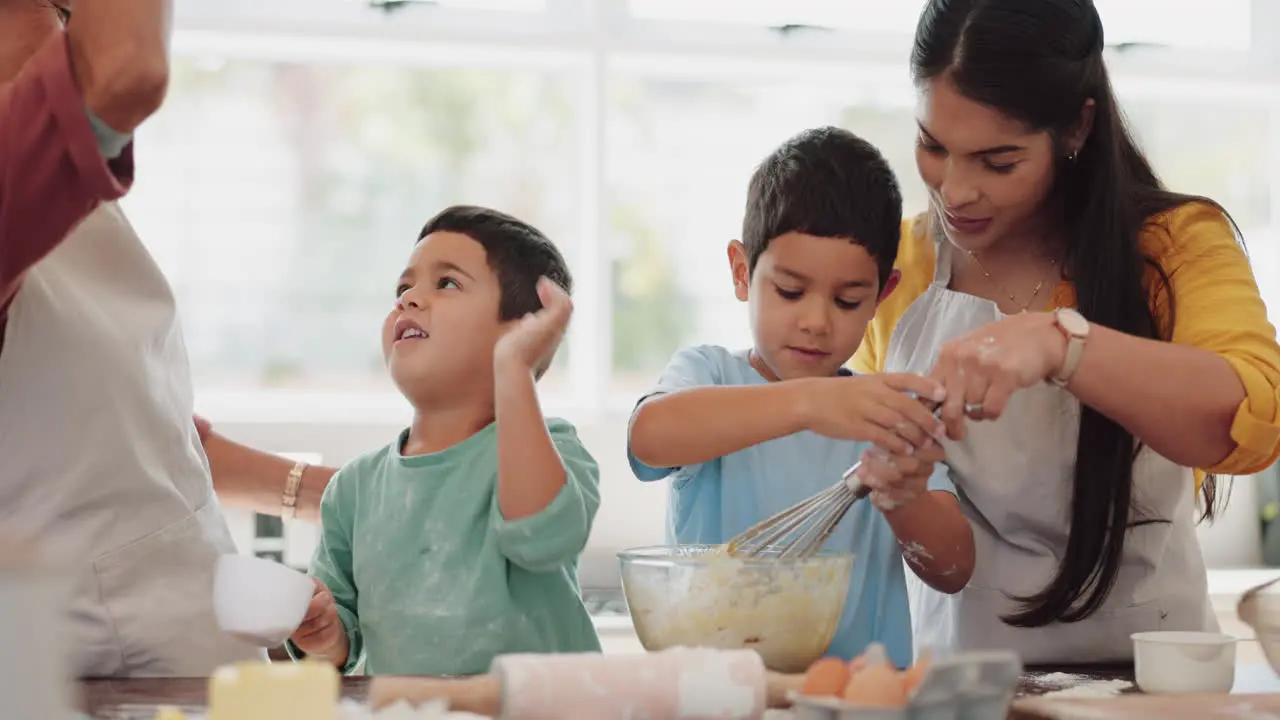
x=321, y=631
x=533, y=339
x=895, y=479
x=876, y=408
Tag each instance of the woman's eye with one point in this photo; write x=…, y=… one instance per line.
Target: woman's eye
x=931, y=148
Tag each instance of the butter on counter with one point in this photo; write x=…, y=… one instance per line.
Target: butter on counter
x=272, y=691
x=170, y=713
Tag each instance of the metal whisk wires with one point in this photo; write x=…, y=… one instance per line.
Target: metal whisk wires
x=799, y=531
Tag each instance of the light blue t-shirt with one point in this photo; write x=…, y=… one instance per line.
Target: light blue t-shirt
x=711, y=502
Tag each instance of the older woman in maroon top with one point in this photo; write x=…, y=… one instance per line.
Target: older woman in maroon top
x=99, y=458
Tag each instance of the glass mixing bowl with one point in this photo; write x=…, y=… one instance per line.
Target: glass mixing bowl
x=697, y=596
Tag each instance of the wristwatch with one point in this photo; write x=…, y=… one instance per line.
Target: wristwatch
x=1076, y=329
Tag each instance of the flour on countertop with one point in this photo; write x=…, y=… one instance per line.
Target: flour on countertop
x=1062, y=684
x=1056, y=679
x=1094, y=689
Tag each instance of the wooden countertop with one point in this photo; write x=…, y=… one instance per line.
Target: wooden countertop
x=138, y=699
x=1255, y=694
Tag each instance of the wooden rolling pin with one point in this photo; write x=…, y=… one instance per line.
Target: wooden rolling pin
x=681, y=684
x=481, y=694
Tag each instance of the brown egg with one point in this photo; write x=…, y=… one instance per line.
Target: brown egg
x=912, y=676
x=857, y=664
x=826, y=678
x=877, y=685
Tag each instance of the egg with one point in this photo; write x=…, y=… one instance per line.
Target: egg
x=825, y=678
x=877, y=685
x=912, y=676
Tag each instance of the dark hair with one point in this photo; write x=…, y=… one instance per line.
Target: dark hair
x=518, y=253
x=825, y=182
x=1039, y=61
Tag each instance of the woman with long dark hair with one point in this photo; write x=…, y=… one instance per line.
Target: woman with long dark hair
x=1109, y=331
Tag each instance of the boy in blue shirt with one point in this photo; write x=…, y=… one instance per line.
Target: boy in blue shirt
x=745, y=434
x=459, y=541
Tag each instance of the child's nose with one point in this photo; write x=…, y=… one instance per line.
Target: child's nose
x=411, y=298
x=815, y=316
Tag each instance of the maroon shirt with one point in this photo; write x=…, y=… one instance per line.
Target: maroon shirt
x=52, y=173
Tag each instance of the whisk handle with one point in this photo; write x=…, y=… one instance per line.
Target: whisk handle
x=851, y=481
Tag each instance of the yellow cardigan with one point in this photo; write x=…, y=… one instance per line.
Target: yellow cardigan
x=1218, y=305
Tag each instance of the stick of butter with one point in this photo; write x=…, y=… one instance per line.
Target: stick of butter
x=273, y=691
x=170, y=713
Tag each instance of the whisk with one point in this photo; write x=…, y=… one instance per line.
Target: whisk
x=799, y=531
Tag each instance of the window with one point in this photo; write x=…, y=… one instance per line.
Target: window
x=288, y=175
x=1192, y=24
x=282, y=199
x=1218, y=150
x=679, y=156
x=1236, y=168
x=286, y=180
x=304, y=142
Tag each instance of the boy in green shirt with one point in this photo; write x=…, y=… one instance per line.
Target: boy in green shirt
x=460, y=540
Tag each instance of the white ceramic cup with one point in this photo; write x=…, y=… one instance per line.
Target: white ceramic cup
x=259, y=601
x=1184, y=662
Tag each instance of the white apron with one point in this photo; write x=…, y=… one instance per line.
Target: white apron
x=100, y=459
x=1014, y=478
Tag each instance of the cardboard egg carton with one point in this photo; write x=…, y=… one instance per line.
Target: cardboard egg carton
x=966, y=686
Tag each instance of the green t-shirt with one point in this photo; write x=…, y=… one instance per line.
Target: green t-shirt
x=431, y=580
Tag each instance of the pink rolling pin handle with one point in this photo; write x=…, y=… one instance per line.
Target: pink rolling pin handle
x=680, y=684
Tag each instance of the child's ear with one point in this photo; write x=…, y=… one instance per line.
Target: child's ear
x=739, y=267
x=894, y=277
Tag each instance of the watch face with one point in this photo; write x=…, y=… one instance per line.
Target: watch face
x=1073, y=322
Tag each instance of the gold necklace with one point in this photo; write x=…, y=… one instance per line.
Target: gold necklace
x=1023, y=307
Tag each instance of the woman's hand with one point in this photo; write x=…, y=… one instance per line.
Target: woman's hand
x=987, y=366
